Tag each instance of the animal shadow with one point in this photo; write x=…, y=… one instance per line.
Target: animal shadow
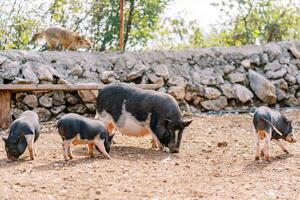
x=138, y=153
x=57, y=164
x=6, y=163
x=254, y=166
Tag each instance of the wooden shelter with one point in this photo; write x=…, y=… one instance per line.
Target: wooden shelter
x=6, y=91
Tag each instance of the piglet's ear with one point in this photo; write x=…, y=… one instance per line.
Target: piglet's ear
x=186, y=123
x=4, y=139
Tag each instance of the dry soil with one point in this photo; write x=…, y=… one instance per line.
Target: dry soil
x=202, y=170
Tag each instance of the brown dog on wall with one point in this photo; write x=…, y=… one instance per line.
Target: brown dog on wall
x=62, y=38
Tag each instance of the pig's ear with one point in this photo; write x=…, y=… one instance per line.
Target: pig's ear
x=110, y=137
x=4, y=139
x=186, y=123
x=167, y=122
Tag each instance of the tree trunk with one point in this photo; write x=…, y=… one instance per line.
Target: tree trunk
x=129, y=22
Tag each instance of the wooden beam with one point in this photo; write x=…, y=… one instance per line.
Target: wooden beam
x=5, y=115
x=121, y=25
x=63, y=87
x=50, y=87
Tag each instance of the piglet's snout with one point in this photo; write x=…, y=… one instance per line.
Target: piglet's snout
x=291, y=138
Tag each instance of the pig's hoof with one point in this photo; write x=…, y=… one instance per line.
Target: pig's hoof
x=166, y=149
x=114, y=141
x=267, y=159
x=153, y=144
x=286, y=151
x=256, y=158
x=262, y=154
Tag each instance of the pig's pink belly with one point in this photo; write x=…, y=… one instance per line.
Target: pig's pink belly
x=134, y=130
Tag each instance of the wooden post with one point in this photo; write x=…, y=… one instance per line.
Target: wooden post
x=121, y=25
x=5, y=115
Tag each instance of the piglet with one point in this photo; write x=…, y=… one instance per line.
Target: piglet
x=23, y=132
x=75, y=129
x=271, y=125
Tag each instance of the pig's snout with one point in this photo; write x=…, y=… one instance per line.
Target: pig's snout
x=175, y=151
x=12, y=158
x=291, y=138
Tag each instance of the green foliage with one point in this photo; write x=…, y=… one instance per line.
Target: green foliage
x=16, y=26
x=178, y=33
x=250, y=21
x=96, y=19
x=244, y=22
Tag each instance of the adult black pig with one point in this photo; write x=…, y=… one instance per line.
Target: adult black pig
x=23, y=132
x=137, y=112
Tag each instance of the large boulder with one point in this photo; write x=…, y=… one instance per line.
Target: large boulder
x=108, y=76
x=177, y=92
x=290, y=79
x=177, y=81
x=276, y=74
x=10, y=71
x=280, y=94
x=31, y=101
x=71, y=98
x=295, y=51
x=263, y=88
x=243, y=94
x=58, y=98
x=228, y=90
x=43, y=113
x=162, y=71
x=45, y=101
x=281, y=84
x=212, y=93
x=44, y=73
x=236, y=77
x=216, y=104
x=273, y=66
x=29, y=74
x=77, y=71
x=57, y=110
x=207, y=76
x=78, y=108
x=155, y=79
x=228, y=69
x=246, y=63
x=88, y=95
x=136, y=72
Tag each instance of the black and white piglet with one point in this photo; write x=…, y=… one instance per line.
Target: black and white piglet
x=23, y=132
x=75, y=129
x=271, y=125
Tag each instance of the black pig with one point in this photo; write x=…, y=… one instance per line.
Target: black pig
x=23, y=132
x=138, y=112
x=271, y=125
x=75, y=129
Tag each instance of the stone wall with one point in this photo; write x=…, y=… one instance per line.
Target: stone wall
x=201, y=80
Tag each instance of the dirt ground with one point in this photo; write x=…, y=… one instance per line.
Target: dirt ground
x=201, y=170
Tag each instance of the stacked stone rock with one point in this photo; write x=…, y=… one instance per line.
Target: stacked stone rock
x=55, y=104
x=210, y=79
